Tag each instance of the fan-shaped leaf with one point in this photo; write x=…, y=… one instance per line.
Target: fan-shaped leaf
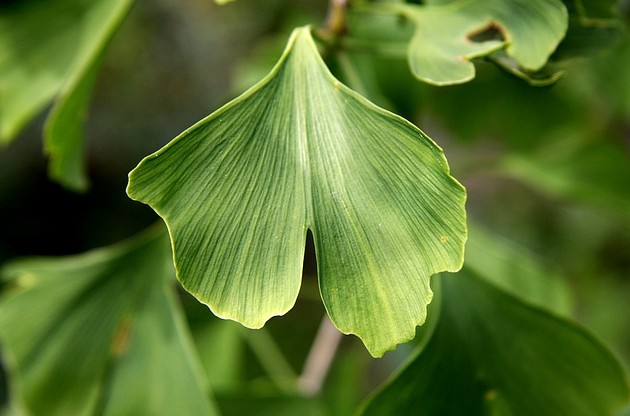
x=300, y=151
x=449, y=36
x=49, y=49
x=101, y=333
x=492, y=354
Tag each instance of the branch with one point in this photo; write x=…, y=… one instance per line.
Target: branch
x=319, y=358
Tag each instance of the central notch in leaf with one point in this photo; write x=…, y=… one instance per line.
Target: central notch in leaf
x=488, y=33
x=300, y=151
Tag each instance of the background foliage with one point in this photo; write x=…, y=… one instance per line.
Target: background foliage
x=547, y=172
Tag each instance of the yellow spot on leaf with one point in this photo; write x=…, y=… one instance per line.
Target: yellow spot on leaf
x=27, y=280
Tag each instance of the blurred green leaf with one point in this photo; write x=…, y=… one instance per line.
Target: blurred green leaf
x=515, y=269
x=345, y=384
x=588, y=37
x=438, y=2
x=220, y=345
x=596, y=173
x=50, y=48
x=449, y=36
x=272, y=360
x=614, y=94
x=101, y=332
x=594, y=26
x=269, y=405
x=300, y=151
x=492, y=354
x=595, y=9
x=379, y=28
x=540, y=78
x=63, y=132
x=357, y=71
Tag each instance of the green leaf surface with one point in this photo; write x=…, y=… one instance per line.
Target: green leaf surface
x=516, y=270
x=51, y=48
x=541, y=78
x=221, y=348
x=492, y=354
x=444, y=42
x=63, y=132
x=301, y=151
x=588, y=37
x=596, y=173
x=593, y=27
x=270, y=405
x=101, y=332
x=596, y=9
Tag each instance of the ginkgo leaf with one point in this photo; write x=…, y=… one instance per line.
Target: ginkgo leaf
x=101, y=333
x=301, y=151
x=492, y=354
x=63, y=132
x=52, y=49
x=445, y=40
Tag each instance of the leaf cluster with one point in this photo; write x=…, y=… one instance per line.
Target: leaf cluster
x=314, y=154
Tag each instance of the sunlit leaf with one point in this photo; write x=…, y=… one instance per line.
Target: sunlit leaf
x=100, y=332
x=51, y=48
x=492, y=354
x=300, y=151
x=449, y=36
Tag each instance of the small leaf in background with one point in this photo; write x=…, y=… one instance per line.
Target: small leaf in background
x=300, y=151
x=592, y=9
x=594, y=26
x=47, y=51
x=101, y=332
x=63, y=132
x=540, y=78
x=449, y=36
x=494, y=354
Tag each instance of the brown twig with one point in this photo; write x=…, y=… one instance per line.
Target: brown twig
x=335, y=23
